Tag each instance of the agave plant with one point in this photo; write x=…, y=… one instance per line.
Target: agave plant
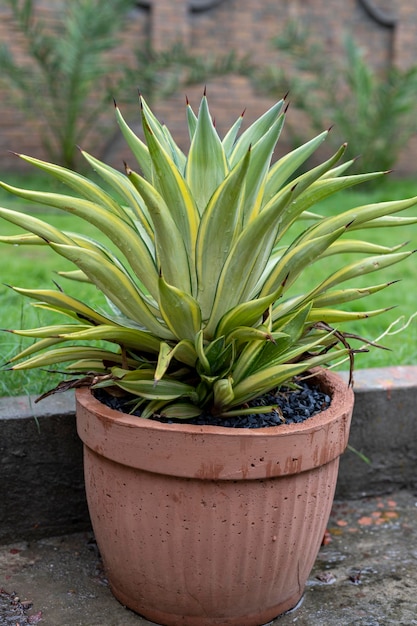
x=200, y=315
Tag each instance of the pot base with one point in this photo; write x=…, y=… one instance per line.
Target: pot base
x=161, y=618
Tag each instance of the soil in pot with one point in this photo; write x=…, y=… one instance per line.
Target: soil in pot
x=294, y=405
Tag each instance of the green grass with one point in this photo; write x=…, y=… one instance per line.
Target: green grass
x=401, y=346
x=36, y=267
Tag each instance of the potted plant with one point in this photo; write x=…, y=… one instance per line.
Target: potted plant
x=199, y=522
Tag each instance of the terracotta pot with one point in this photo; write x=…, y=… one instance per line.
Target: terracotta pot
x=206, y=525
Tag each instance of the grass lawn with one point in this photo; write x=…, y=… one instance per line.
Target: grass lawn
x=36, y=267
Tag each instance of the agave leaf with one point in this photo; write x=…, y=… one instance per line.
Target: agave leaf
x=139, y=149
x=45, y=233
x=181, y=312
x=41, y=344
x=230, y=137
x=359, y=216
x=118, y=231
x=301, y=186
x=261, y=154
x=80, y=184
x=162, y=136
x=223, y=394
x=220, y=356
x=61, y=302
x=175, y=191
x=302, y=183
x=326, y=187
x=339, y=169
x=149, y=408
x=123, y=187
x=334, y=316
x=218, y=229
x=243, y=334
x=76, y=275
x=302, y=253
x=337, y=247
x=60, y=355
x=247, y=357
x=206, y=163
x=178, y=156
x=84, y=241
x=294, y=351
x=185, y=353
x=23, y=240
x=115, y=284
x=386, y=222
x=129, y=337
x=180, y=410
x=204, y=364
x=55, y=331
x=245, y=314
x=191, y=121
x=38, y=227
x=245, y=263
x=285, y=167
x=288, y=332
x=142, y=373
x=165, y=389
x=167, y=235
x=255, y=132
x=293, y=323
x=88, y=366
x=314, y=193
x=176, y=410
x=355, y=245
x=182, y=351
x=341, y=296
x=359, y=268
x=164, y=359
x=267, y=379
x=251, y=410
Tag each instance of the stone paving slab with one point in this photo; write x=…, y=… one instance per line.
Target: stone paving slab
x=365, y=575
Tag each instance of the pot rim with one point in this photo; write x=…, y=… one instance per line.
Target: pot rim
x=218, y=452
x=329, y=380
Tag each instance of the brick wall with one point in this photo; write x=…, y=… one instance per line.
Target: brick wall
x=220, y=25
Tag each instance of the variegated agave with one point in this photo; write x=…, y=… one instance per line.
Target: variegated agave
x=200, y=317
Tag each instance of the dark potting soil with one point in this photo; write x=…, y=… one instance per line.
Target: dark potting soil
x=292, y=406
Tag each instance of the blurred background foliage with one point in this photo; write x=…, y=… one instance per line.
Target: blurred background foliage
x=374, y=110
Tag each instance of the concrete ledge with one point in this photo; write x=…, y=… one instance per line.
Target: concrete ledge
x=42, y=490
x=42, y=484
x=384, y=428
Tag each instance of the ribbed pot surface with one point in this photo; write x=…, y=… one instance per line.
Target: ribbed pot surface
x=202, y=526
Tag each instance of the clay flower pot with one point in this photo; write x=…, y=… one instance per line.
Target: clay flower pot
x=205, y=525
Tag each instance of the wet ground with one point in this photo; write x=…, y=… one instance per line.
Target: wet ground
x=365, y=575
